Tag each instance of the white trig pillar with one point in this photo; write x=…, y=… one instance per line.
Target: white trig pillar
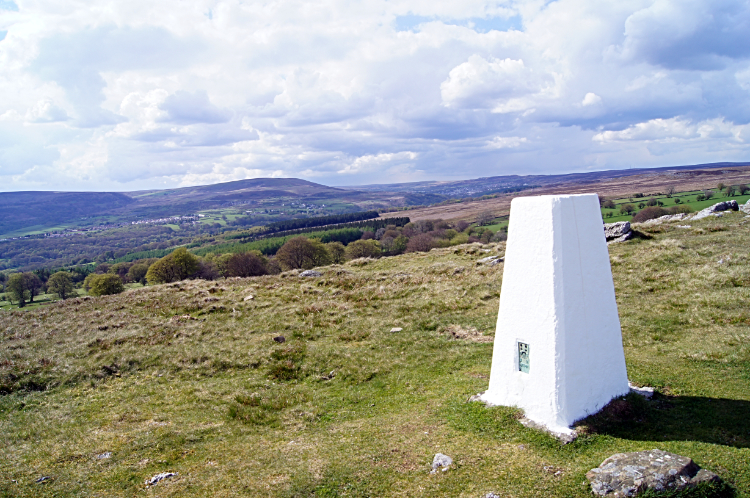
x=558, y=351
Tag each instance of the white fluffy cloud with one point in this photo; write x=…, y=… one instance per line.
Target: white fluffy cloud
x=139, y=94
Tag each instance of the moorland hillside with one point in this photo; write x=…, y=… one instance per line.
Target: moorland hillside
x=378, y=360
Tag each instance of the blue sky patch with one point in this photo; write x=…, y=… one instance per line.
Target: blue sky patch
x=2, y=35
x=8, y=5
x=408, y=22
x=411, y=22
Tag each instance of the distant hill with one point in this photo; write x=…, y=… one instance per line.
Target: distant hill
x=488, y=185
x=39, y=211
x=28, y=212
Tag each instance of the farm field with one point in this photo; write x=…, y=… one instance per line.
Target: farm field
x=101, y=394
x=689, y=199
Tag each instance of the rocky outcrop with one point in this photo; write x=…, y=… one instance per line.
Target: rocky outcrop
x=618, y=232
x=716, y=208
x=629, y=474
x=745, y=208
x=441, y=462
x=665, y=218
x=310, y=273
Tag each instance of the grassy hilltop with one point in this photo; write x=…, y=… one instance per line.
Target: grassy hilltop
x=100, y=394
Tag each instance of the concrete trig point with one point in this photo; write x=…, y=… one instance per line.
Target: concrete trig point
x=558, y=346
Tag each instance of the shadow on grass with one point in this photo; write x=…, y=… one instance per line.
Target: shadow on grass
x=674, y=418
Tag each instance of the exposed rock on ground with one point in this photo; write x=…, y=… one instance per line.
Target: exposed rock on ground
x=717, y=208
x=618, y=232
x=628, y=474
x=441, y=462
x=490, y=260
x=159, y=477
x=745, y=208
x=310, y=273
x=665, y=218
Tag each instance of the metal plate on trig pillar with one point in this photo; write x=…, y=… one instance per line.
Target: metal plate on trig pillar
x=523, y=357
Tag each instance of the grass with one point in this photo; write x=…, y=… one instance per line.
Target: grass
x=187, y=378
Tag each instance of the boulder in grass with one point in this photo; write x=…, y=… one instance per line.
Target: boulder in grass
x=618, y=232
x=310, y=273
x=717, y=208
x=441, y=462
x=629, y=474
x=745, y=208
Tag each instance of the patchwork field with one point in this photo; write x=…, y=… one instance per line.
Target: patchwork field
x=101, y=394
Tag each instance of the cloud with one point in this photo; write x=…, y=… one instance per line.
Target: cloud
x=692, y=34
x=673, y=130
x=188, y=108
x=376, y=162
x=480, y=83
x=591, y=99
x=141, y=94
x=45, y=111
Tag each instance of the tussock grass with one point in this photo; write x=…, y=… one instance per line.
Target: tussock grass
x=186, y=378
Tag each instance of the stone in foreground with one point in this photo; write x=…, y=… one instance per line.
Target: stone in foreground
x=717, y=208
x=441, y=462
x=558, y=351
x=628, y=474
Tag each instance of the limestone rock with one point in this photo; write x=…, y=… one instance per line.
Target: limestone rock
x=159, y=477
x=396, y=329
x=616, y=230
x=628, y=474
x=310, y=273
x=490, y=260
x=745, y=208
x=441, y=462
x=665, y=218
x=717, y=208
x=249, y=298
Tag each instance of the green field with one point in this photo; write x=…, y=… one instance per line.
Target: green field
x=686, y=199
x=101, y=394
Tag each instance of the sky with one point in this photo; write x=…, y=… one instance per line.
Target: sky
x=135, y=94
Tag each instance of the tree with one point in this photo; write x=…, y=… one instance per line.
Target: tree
x=671, y=190
x=137, y=272
x=720, y=186
x=627, y=208
x=175, y=266
x=61, y=284
x=649, y=213
x=363, y=249
x=609, y=204
x=652, y=202
x=337, y=251
x=301, y=252
x=105, y=285
x=462, y=225
x=420, y=243
x=245, y=264
x=743, y=188
x=731, y=189
x=393, y=245
x=16, y=288
x=33, y=284
x=707, y=194
x=485, y=218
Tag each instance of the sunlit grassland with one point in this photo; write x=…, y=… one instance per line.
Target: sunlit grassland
x=347, y=408
x=688, y=199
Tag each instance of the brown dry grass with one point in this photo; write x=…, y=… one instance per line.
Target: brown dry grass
x=613, y=188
